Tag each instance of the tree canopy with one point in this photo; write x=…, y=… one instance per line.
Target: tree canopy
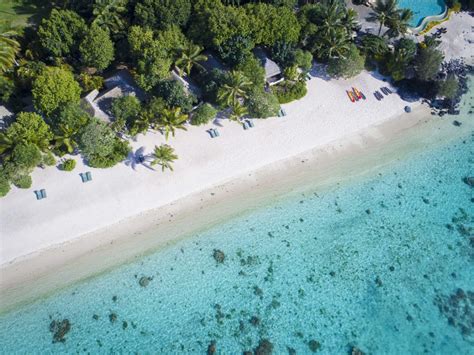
x=53, y=88
x=97, y=49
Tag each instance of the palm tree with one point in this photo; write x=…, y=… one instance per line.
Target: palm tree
x=384, y=11
x=164, y=156
x=235, y=89
x=65, y=139
x=172, y=119
x=107, y=14
x=6, y=143
x=398, y=25
x=9, y=47
x=238, y=111
x=189, y=56
x=335, y=45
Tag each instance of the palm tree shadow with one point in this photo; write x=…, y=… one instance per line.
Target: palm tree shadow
x=319, y=71
x=134, y=159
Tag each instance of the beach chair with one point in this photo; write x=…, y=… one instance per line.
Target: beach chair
x=216, y=132
x=280, y=114
x=245, y=124
x=384, y=91
x=83, y=177
x=250, y=123
x=89, y=176
x=38, y=194
x=377, y=96
x=388, y=90
x=43, y=193
x=211, y=133
x=283, y=112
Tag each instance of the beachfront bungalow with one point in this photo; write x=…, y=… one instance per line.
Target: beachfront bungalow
x=273, y=74
x=212, y=62
x=98, y=104
x=187, y=83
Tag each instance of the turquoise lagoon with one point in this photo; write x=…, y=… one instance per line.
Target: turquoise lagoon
x=422, y=9
x=384, y=263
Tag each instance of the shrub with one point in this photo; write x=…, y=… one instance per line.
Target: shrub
x=236, y=49
x=91, y=82
x=4, y=185
x=346, y=67
x=48, y=159
x=261, y=104
x=203, y=115
x=289, y=91
x=68, y=165
x=100, y=146
x=22, y=181
x=174, y=95
x=448, y=88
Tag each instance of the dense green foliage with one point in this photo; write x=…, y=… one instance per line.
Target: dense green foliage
x=100, y=146
x=61, y=32
x=97, y=49
x=64, y=55
x=289, y=91
x=152, y=61
x=174, y=94
x=162, y=13
x=126, y=109
x=203, y=114
x=449, y=87
x=348, y=66
x=53, y=88
x=261, y=104
x=68, y=165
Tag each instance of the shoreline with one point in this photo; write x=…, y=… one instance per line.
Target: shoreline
x=49, y=270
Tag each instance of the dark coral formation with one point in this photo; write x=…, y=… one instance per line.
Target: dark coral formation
x=59, y=328
x=355, y=351
x=314, y=345
x=458, y=308
x=265, y=347
x=144, y=281
x=219, y=256
x=211, y=349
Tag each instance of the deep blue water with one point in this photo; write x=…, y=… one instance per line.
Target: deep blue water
x=385, y=264
x=422, y=9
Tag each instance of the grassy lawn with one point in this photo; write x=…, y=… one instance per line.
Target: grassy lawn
x=19, y=13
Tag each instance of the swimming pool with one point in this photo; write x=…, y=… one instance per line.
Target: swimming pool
x=422, y=9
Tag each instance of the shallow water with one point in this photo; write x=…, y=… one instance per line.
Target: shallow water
x=378, y=263
x=422, y=9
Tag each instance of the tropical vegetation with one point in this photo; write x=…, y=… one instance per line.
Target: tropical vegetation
x=75, y=45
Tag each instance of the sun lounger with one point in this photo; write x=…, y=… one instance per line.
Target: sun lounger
x=376, y=94
x=216, y=132
x=388, y=90
x=89, y=176
x=384, y=90
x=351, y=95
x=308, y=77
x=245, y=124
x=83, y=177
x=379, y=94
x=250, y=123
x=283, y=112
x=38, y=194
x=211, y=133
x=43, y=193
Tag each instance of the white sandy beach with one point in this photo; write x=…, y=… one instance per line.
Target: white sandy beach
x=70, y=232
x=74, y=208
